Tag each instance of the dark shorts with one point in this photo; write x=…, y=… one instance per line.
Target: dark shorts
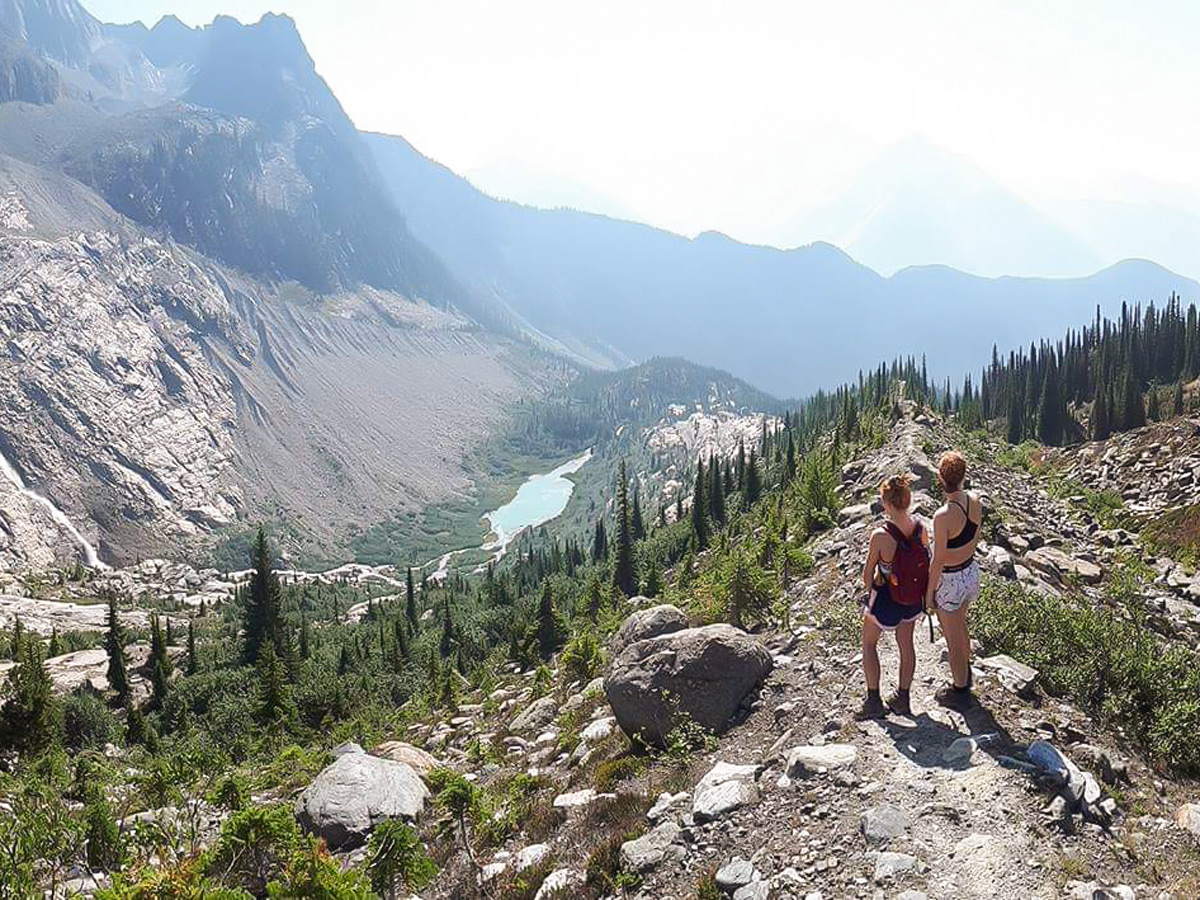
x=886, y=612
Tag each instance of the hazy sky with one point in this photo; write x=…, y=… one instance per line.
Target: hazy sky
x=733, y=116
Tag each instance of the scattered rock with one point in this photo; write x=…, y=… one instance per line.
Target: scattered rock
x=558, y=880
x=648, y=851
x=888, y=865
x=734, y=874
x=812, y=760
x=880, y=824
x=537, y=715
x=415, y=758
x=725, y=788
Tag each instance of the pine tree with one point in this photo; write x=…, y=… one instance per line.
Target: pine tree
x=1133, y=412
x=114, y=645
x=716, y=492
x=624, y=569
x=636, y=522
x=262, y=617
x=753, y=481
x=28, y=723
x=18, y=634
x=700, y=508
x=160, y=663
x=550, y=628
x=653, y=586
x=55, y=644
x=1154, y=410
x=274, y=696
x=400, y=636
x=1101, y=416
x=305, y=649
x=1050, y=423
x=789, y=469
x=448, y=638
x=1177, y=399
x=410, y=602
x=193, y=663
x=599, y=542
x=1016, y=418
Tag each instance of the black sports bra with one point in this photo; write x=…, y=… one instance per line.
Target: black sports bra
x=967, y=534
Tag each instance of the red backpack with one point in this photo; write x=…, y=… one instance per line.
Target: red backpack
x=910, y=567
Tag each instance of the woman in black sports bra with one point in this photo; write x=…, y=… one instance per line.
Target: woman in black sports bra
x=954, y=574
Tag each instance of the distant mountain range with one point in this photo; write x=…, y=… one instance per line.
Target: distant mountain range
x=791, y=321
x=221, y=301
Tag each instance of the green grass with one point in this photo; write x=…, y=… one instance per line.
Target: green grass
x=1106, y=506
x=1176, y=533
x=1106, y=661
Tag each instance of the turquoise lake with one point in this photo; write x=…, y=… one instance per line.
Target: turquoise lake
x=541, y=498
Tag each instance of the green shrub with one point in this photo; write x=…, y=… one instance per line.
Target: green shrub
x=1112, y=666
x=87, y=723
x=254, y=848
x=312, y=874
x=103, y=836
x=395, y=858
x=707, y=887
x=582, y=658
x=612, y=772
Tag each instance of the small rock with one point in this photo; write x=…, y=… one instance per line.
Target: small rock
x=725, y=788
x=888, y=865
x=644, y=853
x=558, y=880
x=734, y=874
x=811, y=760
x=880, y=824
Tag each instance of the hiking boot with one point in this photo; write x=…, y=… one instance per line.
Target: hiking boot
x=899, y=704
x=959, y=699
x=872, y=708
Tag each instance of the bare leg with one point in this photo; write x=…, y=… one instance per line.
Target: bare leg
x=870, y=652
x=908, y=654
x=958, y=644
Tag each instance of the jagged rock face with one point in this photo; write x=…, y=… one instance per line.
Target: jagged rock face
x=123, y=419
x=161, y=398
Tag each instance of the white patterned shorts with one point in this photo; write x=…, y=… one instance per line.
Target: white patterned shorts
x=958, y=589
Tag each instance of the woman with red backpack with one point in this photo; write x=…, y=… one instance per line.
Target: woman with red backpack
x=896, y=577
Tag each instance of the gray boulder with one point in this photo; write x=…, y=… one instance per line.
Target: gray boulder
x=356, y=792
x=650, y=623
x=703, y=673
x=537, y=715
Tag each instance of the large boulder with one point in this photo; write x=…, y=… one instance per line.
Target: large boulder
x=649, y=623
x=354, y=794
x=703, y=673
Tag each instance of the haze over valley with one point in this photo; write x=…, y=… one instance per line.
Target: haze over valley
x=457, y=484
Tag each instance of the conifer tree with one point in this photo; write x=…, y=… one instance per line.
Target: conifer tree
x=1177, y=399
x=700, y=508
x=448, y=642
x=410, y=602
x=160, y=663
x=28, y=723
x=1101, y=420
x=1016, y=419
x=274, y=696
x=716, y=492
x=741, y=465
x=193, y=663
x=624, y=569
x=55, y=644
x=550, y=625
x=653, y=586
x=1153, y=410
x=114, y=645
x=753, y=481
x=636, y=522
x=599, y=542
x=400, y=636
x=262, y=618
x=789, y=469
x=18, y=634
x=305, y=649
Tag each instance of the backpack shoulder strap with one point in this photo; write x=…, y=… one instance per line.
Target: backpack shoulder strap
x=897, y=535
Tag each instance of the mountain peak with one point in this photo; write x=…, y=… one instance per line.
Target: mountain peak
x=59, y=29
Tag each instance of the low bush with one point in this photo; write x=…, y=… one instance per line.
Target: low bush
x=1111, y=665
x=613, y=772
